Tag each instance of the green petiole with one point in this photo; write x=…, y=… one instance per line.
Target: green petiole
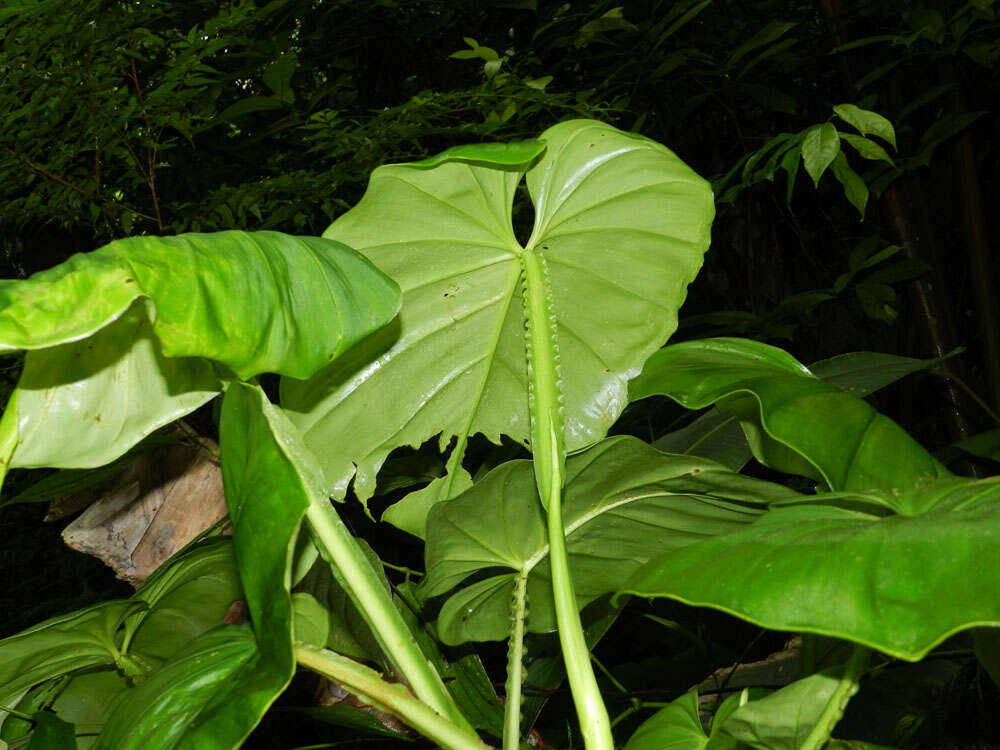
x=548, y=455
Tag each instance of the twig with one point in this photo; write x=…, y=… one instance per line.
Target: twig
x=150, y=151
x=56, y=178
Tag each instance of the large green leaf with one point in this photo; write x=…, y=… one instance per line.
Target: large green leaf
x=624, y=503
x=621, y=224
x=900, y=584
x=256, y=302
x=718, y=435
x=795, y=422
x=268, y=487
x=189, y=701
x=120, y=338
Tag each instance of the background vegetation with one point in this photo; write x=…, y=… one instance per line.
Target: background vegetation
x=146, y=118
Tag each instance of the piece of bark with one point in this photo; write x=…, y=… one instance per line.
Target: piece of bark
x=159, y=503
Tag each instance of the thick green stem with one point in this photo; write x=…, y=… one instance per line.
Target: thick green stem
x=842, y=694
x=367, y=684
x=515, y=663
x=353, y=571
x=548, y=454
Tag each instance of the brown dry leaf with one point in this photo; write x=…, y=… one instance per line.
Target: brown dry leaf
x=163, y=500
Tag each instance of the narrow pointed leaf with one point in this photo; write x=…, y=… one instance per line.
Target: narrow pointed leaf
x=867, y=122
x=624, y=503
x=900, y=584
x=621, y=224
x=795, y=421
x=268, y=487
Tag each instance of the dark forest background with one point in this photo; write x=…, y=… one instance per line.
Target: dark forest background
x=123, y=118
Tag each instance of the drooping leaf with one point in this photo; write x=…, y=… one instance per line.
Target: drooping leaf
x=621, y=224
x=103, y=394
x=855, y=189
x=189, y=701
x=820, y=146
x=795, y=421
x=866, y=121
x=268, y=486
x=624, y=503
x=256, y=302
x=898, y=583
x=119, y=339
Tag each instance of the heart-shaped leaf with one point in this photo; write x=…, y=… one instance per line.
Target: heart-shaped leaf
x=795, y=422
x=621, y=224
x=900, y=584
x=624, y=503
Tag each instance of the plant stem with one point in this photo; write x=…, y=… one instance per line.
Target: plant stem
x=845, y=690
x=548, y=455
x=515, y=663
x=394, y=699
x=353, y=571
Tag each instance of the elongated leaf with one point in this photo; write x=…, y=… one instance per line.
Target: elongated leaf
x=900, y=584
x=820, y=146
x=866, y=121
x=188, y=701
x=855, y=189
x=119, y=338
x=268, y=487
x=795, y=422
x=621, y=224
x=61, y=645
x=718, y=435
x=867, y=148
x=261, y=302
x=624, y=503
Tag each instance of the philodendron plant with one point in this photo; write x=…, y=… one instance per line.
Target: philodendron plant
x=419, y=314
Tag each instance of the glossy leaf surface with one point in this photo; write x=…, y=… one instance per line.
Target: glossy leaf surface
x=62, y=644
x=256, y=302
x=900, y=584
x=718, y=435
x=268, y=487
x=120, y=338
x=795, y=422
x=783, y=719
x=104, y=394
x=189, y=701
x=624, y=503
x=621, y=224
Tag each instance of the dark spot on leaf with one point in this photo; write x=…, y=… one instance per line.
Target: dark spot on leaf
x=129, y=281
x=696, y=471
